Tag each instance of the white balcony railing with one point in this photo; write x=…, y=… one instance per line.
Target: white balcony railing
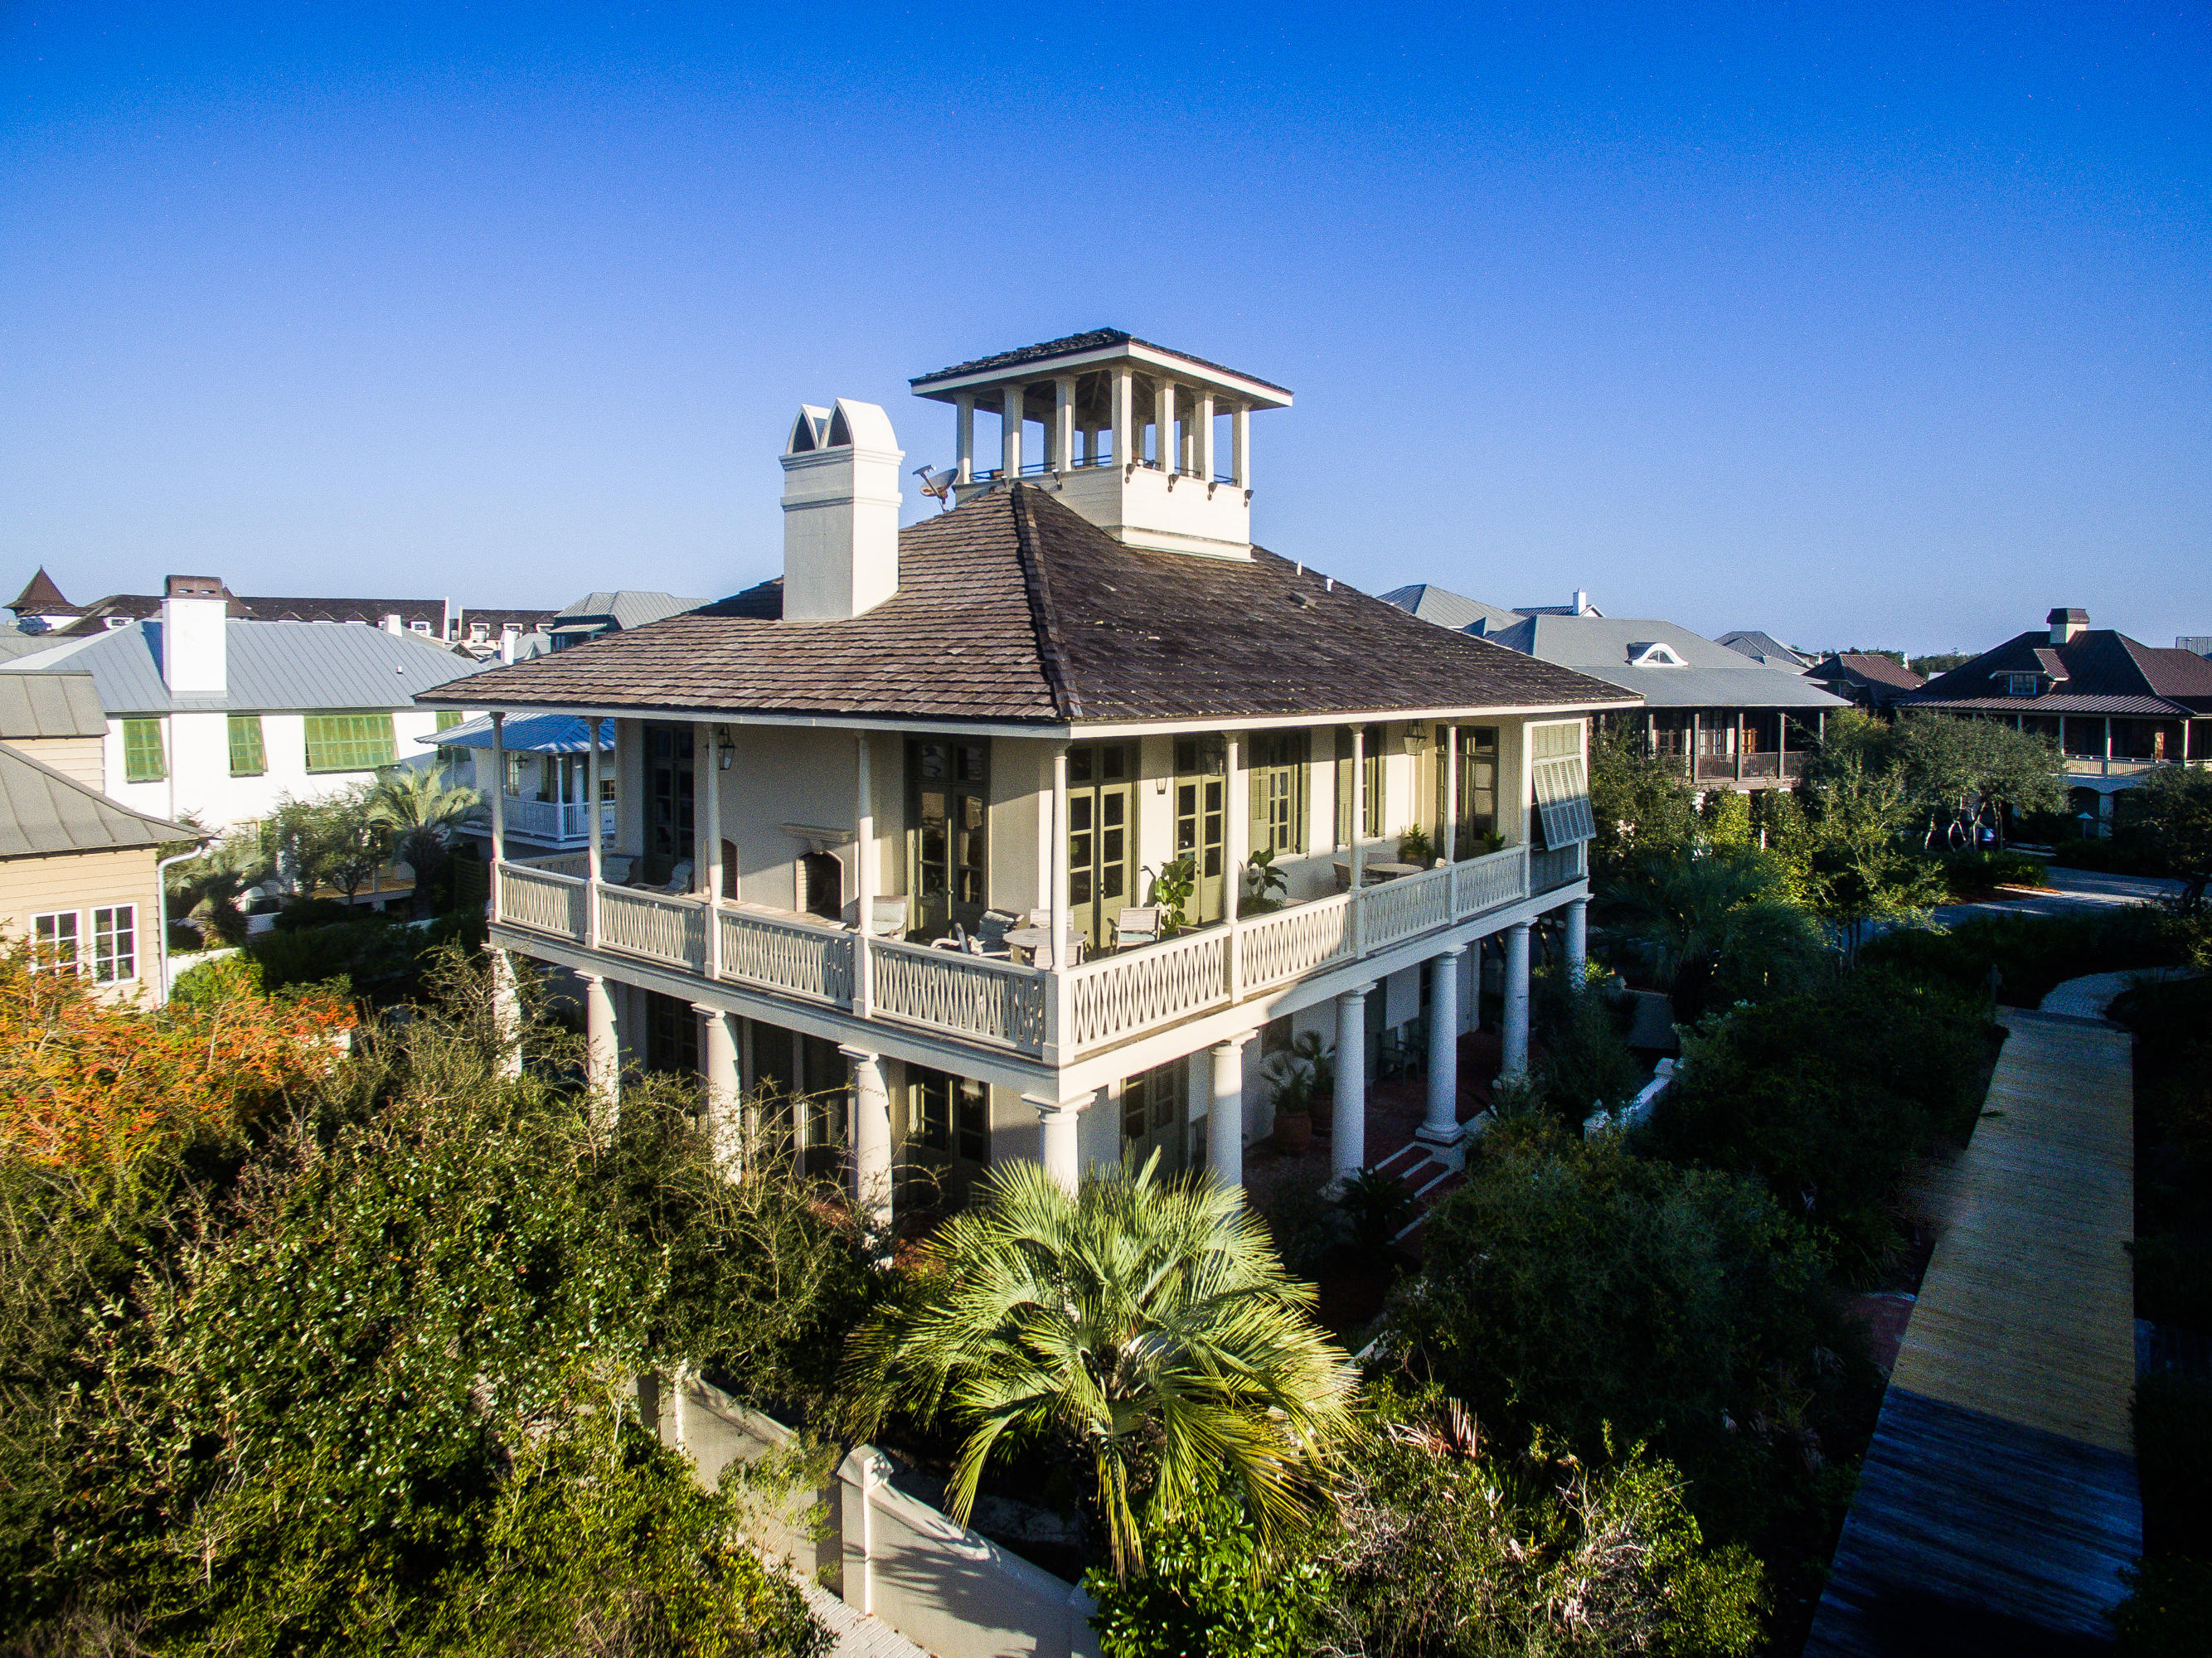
x=552, y=823
x=1005, y=1005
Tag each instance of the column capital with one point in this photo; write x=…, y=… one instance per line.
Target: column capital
x=1231, y=1044
x=1046, y=1106
x=708, y=1008
x=1355, y=996
x=590, y=978
x=861, y=1055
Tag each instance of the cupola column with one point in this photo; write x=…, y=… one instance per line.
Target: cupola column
x=1125, y=416
x=1163, y=442
x=1010, y=448
x=1205, y=435
x=1240, y=446
x=964, y=428
x=1063, y=422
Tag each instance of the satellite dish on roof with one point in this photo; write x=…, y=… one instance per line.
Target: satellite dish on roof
x=938, y=485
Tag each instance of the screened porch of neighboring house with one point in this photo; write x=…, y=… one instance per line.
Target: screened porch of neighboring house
x=545, y=789
x=1732, y=745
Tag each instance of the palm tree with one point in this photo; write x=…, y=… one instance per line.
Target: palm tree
x=420, y=809
x=1726, y=919
x=1148, y=1321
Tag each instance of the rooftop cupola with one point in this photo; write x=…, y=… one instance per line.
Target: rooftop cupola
x=840, y=513
x=1153, y=446
x=2065, y=624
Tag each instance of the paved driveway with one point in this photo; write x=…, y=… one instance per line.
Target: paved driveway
x=2072, y=890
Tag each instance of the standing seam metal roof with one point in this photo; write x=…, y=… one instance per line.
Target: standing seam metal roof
x=274, y=666
x=43, y=814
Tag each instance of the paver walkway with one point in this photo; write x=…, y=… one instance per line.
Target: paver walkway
x=1998, y=1503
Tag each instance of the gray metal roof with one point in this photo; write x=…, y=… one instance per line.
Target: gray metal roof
x=14, y=643
x=33, y=704
x=1712, y=675
x=628, y=608
x=274, y=667
x=1764, y=647
x=43, y=814
x=1449, y=609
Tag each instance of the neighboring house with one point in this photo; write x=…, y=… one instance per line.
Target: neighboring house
x=1724, y=717
x=999, y=725
x=1865, y=679
x=1449, y=609
x=504, y=634
x=40, y=607
x=596, y=615
x=2195, y=644
x=2117, y=709
x=545, y=788
x=78, y=875
x=56, y=719
x=1765, y=650
x=220, y=717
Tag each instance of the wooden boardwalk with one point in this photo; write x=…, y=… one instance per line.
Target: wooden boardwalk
x=1997, y=1503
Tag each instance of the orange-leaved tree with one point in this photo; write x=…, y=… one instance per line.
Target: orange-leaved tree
x=85, y=1081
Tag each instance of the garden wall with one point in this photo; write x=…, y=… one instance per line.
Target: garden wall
x=949, y=1590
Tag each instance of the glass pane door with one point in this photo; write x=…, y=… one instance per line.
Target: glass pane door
x=1200, y=834
x=1478, y=789
x=948, y=790
x=1101, y=842
x=1153, y=1110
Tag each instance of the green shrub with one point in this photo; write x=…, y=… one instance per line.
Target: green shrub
x=1572, y=1285
x=217, y=981
x=2173, y=1460
x=1449, y=1548
x=1205, y=1590
x=1379, y=1205
x=2032, y=954
x=302, y=914
x=2168, y=1611
x=1824, y=1096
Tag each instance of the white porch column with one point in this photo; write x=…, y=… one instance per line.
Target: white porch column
x=964, y=427
x=710, y=867
x=1224, y=1117
x=1359, y=807
x=1205, y=435
x=595, y=854
x=1577, y=941
x=1009, y=446
x=723, y=1090
x=1348, y=1125
x=507, y=1005
x=1450, y=736
x=1063, y=422
x=872, y=1138
x=1164, y=402
x=1240, y=443
x=864, y=876
x=499, y=798
x=1061, y=1123
x=1125, y=416
x=1239, y=850
x=602, y=1038
x=1058, y=854
x=1440, y=1124
x=1516, y=1032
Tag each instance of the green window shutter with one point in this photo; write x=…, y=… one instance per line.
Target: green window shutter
x=447, y=718
x=350, y=742
x=248, y=758
x=144, y=760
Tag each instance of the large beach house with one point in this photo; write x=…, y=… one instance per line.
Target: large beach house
x=1007, y=834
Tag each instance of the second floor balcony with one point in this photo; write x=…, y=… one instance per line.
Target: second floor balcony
x=1054, y=1015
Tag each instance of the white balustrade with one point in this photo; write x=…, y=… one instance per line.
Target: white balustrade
x=1488, y=882
x=1290, y=942
x=1134, y=990
x=968, y=996
x=809, y=960
x=543, y=901
x=653, y=925
x=554, y=821
x=1403, y=908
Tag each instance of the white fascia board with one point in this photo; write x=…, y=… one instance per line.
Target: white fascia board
x=1078, y=732
x=1256, y=393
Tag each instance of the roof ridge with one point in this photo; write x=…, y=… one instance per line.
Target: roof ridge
x=1036, y=586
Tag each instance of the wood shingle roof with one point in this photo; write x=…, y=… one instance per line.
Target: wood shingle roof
x=1014, y=608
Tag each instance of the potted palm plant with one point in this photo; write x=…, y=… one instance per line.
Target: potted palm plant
x=1302, y=1077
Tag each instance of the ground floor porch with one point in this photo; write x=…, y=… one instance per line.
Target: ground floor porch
x=913, y=1129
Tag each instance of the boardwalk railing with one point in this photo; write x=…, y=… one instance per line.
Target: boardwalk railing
x=1005, y=1005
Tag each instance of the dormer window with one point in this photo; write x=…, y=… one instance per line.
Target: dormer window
x=1653, y=654
x=2023, y=684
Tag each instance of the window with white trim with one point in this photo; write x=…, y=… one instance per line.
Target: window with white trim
x=54, y=942
x=115, y=943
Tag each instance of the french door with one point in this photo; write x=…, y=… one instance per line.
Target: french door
x=1102, y=841
x=949, y=802
x=670, y=835
x=1201, y=795
x=1154, y=1110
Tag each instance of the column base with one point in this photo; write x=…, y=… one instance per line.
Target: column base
x=1459, y=1131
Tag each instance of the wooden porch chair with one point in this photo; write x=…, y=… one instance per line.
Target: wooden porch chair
x=887, y=917
x=991, y=933
x=1138, y=924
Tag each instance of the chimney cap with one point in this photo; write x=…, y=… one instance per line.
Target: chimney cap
x=2063, y=614
x=193, y=586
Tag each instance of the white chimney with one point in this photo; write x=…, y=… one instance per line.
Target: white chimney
x=1582, y=601
x=840, y=511
x=195, y=657
x=2065, y=623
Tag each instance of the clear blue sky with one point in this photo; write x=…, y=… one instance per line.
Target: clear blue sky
x=1882, y=325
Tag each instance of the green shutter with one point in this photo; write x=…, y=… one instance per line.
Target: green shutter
x=248, y=758
x=350, y=742
x=447, y=718
x=143, y=758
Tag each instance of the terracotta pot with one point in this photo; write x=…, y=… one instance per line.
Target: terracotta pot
x=1293, y=1131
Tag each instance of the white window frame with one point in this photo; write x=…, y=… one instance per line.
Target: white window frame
x=46, y=942
x=114, y=944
